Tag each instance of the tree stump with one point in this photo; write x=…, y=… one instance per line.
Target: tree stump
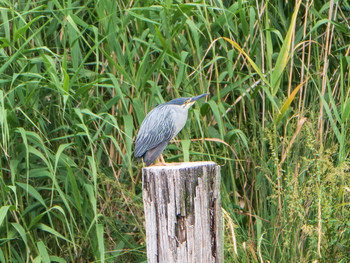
x=183, y=214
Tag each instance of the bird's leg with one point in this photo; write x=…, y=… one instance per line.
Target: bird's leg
x=160, y=161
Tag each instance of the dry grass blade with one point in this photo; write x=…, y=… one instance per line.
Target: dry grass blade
x=290, y=144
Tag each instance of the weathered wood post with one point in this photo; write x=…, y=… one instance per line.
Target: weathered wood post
x=183, y=213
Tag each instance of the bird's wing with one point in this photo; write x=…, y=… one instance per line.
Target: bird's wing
x=158, y=127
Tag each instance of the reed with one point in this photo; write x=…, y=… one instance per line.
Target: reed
x=78, y=77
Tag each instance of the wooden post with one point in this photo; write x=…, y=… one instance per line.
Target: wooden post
x=183, y=213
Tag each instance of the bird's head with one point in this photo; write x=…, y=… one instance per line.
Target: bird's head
x=186, y=102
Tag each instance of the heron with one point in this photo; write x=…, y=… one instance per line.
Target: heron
x=160, y=126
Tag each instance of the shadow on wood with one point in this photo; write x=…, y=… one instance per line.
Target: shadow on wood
x=183, y=213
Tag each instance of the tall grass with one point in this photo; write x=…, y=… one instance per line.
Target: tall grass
x=78, y=77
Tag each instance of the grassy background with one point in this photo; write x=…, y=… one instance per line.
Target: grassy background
x=78, y=77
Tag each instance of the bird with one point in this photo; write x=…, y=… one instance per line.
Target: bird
x=160, y=126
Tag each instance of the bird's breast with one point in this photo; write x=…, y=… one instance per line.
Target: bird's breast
x=179, y=117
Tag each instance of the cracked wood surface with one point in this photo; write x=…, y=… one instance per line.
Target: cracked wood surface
x=183, y=213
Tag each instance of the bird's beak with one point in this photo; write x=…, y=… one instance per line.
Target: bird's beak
x=193, y=99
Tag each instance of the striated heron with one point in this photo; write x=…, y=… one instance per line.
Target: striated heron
x=161, y=125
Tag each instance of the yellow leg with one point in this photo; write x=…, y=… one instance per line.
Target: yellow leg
x=162, y=159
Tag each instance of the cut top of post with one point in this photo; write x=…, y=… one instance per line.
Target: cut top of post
x=171, y=166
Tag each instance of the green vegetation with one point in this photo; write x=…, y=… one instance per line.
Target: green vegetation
x=78, y=77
